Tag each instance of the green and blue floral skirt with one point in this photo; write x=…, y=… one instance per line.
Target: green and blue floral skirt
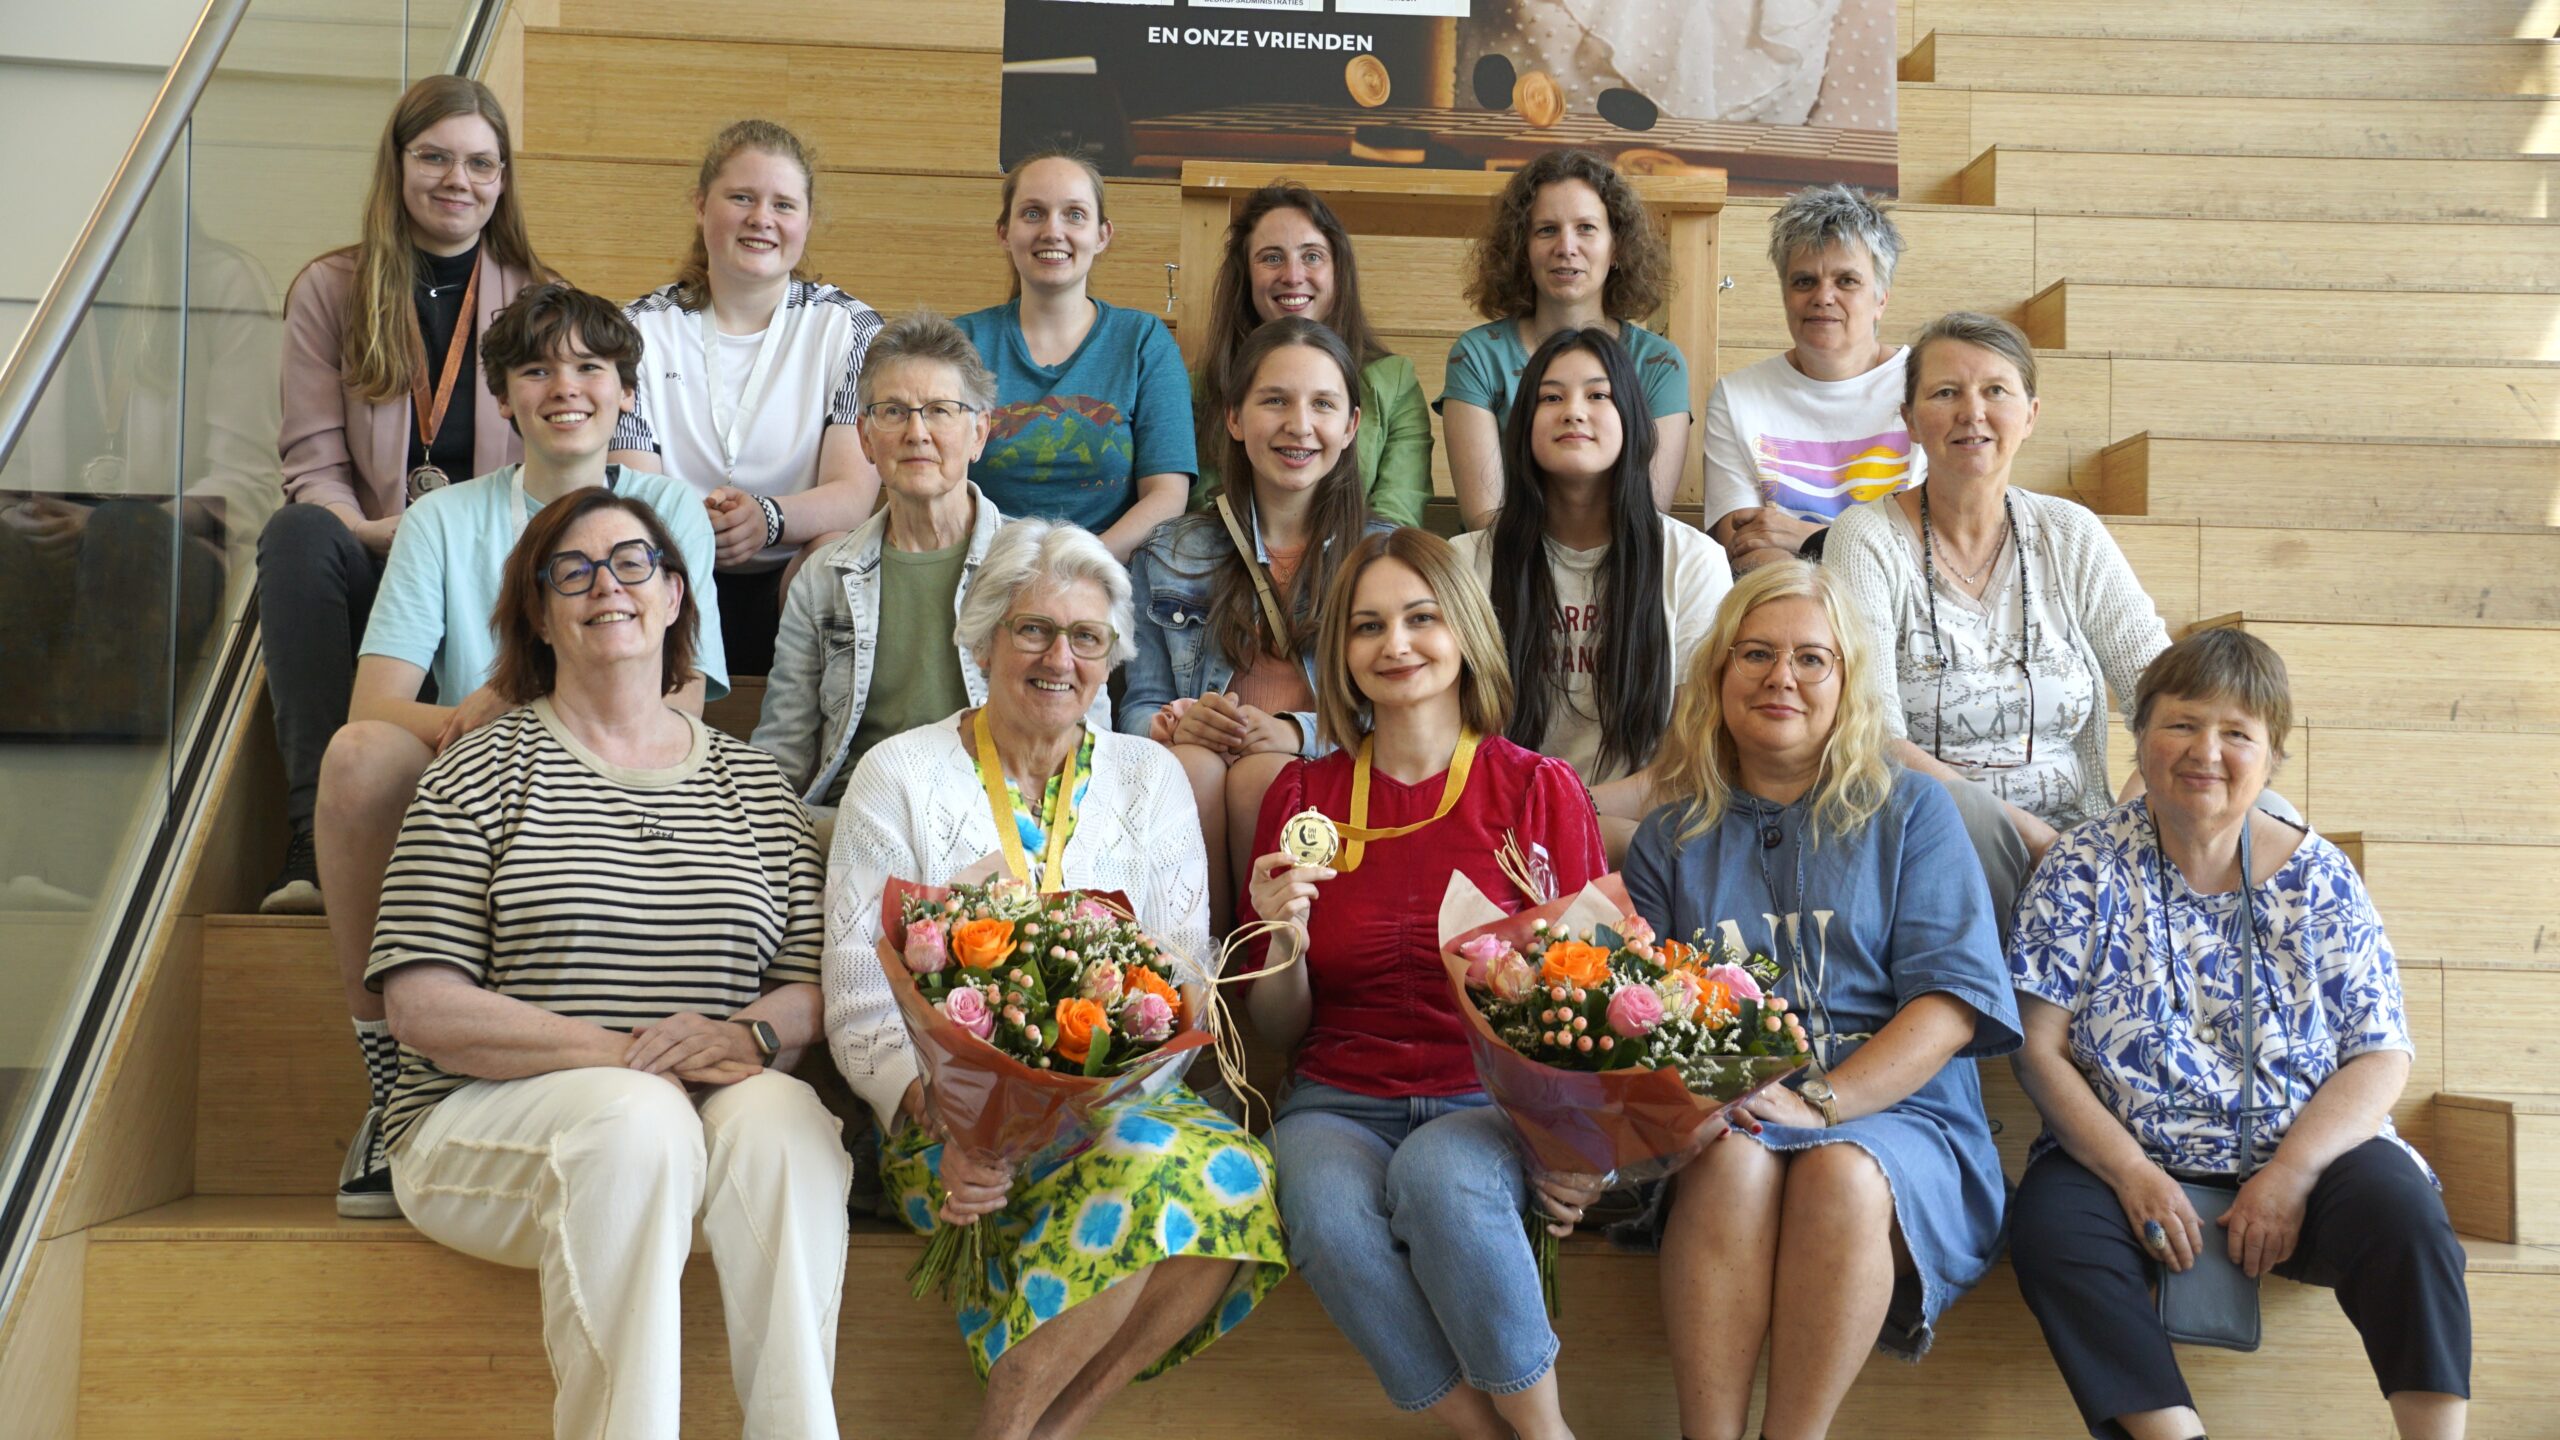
x=1169, y=1178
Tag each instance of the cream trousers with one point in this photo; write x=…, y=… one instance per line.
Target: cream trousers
x=603, y=1180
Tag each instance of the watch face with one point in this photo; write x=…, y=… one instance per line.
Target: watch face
x=767, y=1042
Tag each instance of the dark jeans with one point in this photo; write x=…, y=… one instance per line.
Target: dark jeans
x=316, y=583
x=750, y=615
x=2374, y=1231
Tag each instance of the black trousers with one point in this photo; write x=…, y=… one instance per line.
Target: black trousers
x=2374, y=1231
x=750, y=616
x=316, y=583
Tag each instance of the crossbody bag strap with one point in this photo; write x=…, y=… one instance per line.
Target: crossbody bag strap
x=2248, y=1118
x=1272, y=614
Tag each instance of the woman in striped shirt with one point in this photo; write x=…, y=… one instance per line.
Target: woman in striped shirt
x=598, y=949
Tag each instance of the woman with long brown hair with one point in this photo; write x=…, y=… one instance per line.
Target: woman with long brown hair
x=1287, y=257
x=382, y=403
x=750, y=398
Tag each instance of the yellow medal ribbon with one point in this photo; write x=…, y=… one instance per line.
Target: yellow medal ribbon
x=1359, y=832
x=1057, y=821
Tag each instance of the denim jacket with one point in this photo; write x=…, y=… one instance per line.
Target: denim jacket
x=1170, y=578
x=822, y=655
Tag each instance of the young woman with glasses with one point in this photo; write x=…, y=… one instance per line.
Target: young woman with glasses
x=750, y=389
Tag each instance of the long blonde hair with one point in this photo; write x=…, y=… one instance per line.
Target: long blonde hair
x=1700, y=765
x=382, y=343
x=693, y=276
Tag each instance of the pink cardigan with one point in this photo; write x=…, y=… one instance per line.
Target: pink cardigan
x=339, y=449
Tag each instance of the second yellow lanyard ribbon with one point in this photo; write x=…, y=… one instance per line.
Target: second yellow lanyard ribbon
x=1057, y=821
x=1359, y=833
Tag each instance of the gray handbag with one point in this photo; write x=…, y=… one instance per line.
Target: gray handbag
x=2214, y=1302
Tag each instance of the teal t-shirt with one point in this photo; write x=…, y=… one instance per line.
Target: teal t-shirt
x=441, y=583
x=1485, y=366
x=1068, y=442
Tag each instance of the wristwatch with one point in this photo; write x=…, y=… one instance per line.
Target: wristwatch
x=1818, y=1093
x=768, y=1044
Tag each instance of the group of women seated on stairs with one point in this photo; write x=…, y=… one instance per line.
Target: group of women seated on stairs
x=585, y=938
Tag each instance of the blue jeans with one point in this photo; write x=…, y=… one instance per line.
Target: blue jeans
x=1405, y=1217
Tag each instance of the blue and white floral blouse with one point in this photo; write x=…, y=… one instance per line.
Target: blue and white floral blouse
x=2110, y=931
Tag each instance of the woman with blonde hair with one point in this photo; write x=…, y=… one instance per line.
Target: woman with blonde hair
x=749, y=396
x=1859, y=1202
x=1569, y=246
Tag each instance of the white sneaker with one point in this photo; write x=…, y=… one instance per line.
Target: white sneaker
x=364, y=1181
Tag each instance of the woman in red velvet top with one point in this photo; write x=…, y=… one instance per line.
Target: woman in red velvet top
x=1400, y=1186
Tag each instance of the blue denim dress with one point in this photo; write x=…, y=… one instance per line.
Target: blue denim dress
x=1910, y=915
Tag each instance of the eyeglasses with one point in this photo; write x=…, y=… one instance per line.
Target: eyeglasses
x=1034, y=634
x=573, y=572
x=1938, y=726
x=1811, y=664
x=938, y=414
x=482, y=169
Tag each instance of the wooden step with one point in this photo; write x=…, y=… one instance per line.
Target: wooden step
x=2487, y=785
x=2212, y=19
x=2442, y=577
x=1944, y=127
x=2497, y=1015
x=2454, y=678
x=736, y=712
x=228, y=1317
x=959, y=24
x=2312, y=322
x=2501, y=1165
x=2342, y=481
x=2435, y=400
x=2367, y=251
x=279, y=1085
x=2047, y=178
x=600, y=93
x=2309, y=68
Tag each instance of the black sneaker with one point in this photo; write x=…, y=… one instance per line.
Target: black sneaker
x=296, y=890
x=364, y=1181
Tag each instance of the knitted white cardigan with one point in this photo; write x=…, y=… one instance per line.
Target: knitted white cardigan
x=916, y=809
x=2106, y=615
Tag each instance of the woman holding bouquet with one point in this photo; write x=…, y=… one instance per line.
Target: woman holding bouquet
x=1401, y=1185
x=1853, y=1209
x=1122, y=1260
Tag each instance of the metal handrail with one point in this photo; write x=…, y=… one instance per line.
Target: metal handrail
x=47, y=338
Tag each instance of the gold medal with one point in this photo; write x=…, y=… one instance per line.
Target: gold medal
x=1310, y=838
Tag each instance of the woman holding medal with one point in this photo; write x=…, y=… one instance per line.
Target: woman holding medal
x=749, y=395
x=1225, y=667
x=1124, y=1259
x=1855, y=1207
x=381, y=405
x=1401, y=1185
x=2141, y=1037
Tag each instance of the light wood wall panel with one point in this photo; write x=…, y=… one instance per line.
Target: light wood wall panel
x=2501, y=1010
x=2297, y=19
x=2414, y=401
x=2296, y=322
x=40, y=1346
x=2343, y=482
x=2439, y=576
x=2260, y=185
x=2446, y=899
x=2418, y=676
x=946, y=24
x=2367, y=251
x=2308, y=68
x=2483, y=785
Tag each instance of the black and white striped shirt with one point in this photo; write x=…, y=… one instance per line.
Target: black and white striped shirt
x=613, y=895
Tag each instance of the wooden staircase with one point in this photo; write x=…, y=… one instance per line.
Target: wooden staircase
x=2297, y=274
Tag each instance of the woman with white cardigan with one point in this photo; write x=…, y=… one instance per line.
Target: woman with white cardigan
x=2007, y=616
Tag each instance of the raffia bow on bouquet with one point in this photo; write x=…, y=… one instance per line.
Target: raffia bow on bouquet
x=1036, y=1017
x=1610, y=1052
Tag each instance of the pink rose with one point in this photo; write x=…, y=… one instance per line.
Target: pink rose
x=1480, y=953
x=1736, y=981
x=928, y=948
x=1635, y=1010
x=1635, y=930
x=967, y=1007
x=1147, y=1019
x=1088, y=908
x=1512, y=979
x=1102, y=984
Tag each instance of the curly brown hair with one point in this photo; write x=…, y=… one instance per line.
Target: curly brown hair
x=1498, y=283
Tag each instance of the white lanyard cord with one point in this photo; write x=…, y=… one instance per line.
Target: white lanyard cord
x=729, y=431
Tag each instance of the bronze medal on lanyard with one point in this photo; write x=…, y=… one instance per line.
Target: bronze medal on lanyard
x=428, y=408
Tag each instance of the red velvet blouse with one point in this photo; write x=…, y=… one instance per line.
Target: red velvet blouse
x=1383, y=1021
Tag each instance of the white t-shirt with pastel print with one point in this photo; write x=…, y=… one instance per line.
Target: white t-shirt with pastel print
x=1813, y=448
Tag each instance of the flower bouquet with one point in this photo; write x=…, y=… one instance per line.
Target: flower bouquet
x=1035, y=1017
x=1610, y=1051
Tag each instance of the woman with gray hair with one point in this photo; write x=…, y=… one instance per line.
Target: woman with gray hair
x=1169, y=1227
x=859, y=657
x=1793, y=441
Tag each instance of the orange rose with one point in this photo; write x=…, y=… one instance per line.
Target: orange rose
x=1144, y=981
x=1079, y=1023
x=1570, y=962
x=982, y=944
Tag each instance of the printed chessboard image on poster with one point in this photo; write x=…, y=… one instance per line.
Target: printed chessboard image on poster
x=1776, y=93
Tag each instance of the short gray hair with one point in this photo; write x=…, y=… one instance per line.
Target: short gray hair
x=928, y=338
x=1821, y=216
x=1973, y=328
x=1029, y=553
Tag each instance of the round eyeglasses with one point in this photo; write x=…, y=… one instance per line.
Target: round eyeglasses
x=1034, y=634
x=573, y=572
x=482, y=169
x=1811, y=664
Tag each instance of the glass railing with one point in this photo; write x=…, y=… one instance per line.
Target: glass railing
x=132, y=497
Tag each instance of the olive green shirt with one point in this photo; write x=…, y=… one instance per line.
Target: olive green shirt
x=915, y=679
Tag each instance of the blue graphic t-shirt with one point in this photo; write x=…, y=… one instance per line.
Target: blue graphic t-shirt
x=1068, y=442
